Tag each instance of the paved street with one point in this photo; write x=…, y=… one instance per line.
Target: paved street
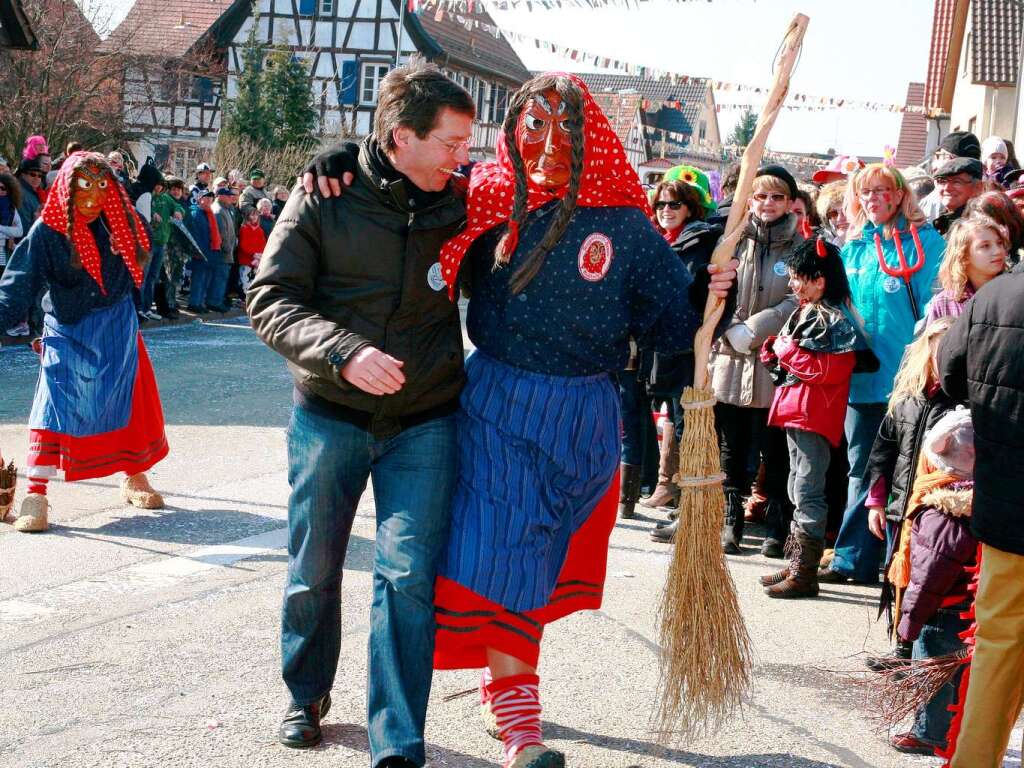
x=134, y=638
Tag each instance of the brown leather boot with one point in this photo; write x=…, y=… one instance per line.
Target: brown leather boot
x=803, y=570
x=779, y=576
x=666, y=493
x=629, y=490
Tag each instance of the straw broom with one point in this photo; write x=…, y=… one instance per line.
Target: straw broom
x=706, y=656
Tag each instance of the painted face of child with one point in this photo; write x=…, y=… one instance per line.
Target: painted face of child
x=89, y=185
x=671, y=213
x=880, y=200
x=806, y=289
x=544, y=140
x=986, y=257
x=770, y=206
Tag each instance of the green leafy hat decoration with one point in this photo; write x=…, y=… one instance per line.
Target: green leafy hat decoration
x=696, y=178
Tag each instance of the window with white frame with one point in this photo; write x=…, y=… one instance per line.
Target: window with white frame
x=326, y=7
x=372, y=74
x=500, y=104
x=483, y=101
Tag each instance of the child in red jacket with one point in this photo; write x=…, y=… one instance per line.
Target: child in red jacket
x=812, y=360
x=252, y=241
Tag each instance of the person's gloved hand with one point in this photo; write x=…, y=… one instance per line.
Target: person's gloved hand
x=330, y=169
x=740, y=338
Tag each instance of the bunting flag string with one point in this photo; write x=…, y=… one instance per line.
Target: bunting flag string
x=531, y=5
x=802, y=101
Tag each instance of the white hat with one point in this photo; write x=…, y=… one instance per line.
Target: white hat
x=991, y=146
x=949, y=444
x=203, y=167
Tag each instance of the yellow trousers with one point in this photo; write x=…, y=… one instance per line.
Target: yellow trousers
x=996, y=689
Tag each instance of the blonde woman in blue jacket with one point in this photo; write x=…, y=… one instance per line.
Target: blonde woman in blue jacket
x=892, y=257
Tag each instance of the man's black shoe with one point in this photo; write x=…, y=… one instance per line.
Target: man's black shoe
x=396, y=762
x=300, y=728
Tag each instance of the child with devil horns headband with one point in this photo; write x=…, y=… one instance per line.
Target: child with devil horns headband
x=96, y=409
x=812, y=361
x=563, y=267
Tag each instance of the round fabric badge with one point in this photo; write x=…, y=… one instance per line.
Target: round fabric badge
x=892, y=285
x=434, y=278
x=779, y=268
x=595, y=257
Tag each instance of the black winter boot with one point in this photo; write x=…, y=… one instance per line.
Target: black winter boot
x=629, y=490
x=732, y=528
x=778, y=515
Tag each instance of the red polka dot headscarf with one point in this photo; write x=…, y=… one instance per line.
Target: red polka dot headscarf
x=127, y=235
x=608, y=180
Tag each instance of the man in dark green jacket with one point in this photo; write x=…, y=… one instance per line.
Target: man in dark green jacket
x=350, y=293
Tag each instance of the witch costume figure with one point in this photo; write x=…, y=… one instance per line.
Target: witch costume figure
x=96, y=410
x=563, y=267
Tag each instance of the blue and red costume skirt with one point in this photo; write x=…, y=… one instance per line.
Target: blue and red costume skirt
x=96, y=409
x=534, y=507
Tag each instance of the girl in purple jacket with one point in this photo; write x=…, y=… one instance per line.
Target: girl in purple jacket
x=941, y=549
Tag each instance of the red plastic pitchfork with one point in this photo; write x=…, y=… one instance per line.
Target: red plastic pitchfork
x=905, y=271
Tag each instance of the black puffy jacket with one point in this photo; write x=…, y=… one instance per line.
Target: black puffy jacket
x=360, y=270
x=668, y=374
x=894, y=452
x=981, y=360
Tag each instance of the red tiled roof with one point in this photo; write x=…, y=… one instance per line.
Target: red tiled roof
x=995, y=41
x=165, y=27
x=938, y=51
x=910, y=149
x=474, y=49
x=621, y=110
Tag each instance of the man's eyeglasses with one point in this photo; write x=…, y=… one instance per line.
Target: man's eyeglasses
x=675, y=205
x=775, y=197
x=34, y=174
x=954, y=181
x=453, y=146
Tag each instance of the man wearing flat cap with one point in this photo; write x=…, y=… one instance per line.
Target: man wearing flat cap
x=953, y=145
x=253, y=193
x=956, y=181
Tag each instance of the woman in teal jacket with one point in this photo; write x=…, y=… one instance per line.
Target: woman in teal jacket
x=884, y=220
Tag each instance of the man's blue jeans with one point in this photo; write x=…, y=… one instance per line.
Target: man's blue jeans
x=153, y=271
x=858, y=551
x=217, y=292
x=940, y=636
x=413, y=474
x=199, y=283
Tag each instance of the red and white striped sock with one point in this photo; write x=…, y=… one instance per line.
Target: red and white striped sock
x=515, y=702
x=37, y=484
x=485, y=680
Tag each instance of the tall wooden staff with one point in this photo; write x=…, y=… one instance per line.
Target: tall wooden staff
x=706, y=655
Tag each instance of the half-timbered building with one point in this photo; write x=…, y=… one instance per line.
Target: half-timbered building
x=182, y=59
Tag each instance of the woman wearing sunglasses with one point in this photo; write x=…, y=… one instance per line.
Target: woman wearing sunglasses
x=743, y=387
x=681, y=202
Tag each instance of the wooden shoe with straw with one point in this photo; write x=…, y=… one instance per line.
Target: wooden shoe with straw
x=8, y=485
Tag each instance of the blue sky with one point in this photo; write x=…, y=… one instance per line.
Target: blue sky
x=866, y=50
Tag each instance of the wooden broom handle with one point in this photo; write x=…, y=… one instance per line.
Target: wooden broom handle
x=736, y=222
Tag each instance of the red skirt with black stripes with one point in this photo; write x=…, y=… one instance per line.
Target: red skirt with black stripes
x=468, y=624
